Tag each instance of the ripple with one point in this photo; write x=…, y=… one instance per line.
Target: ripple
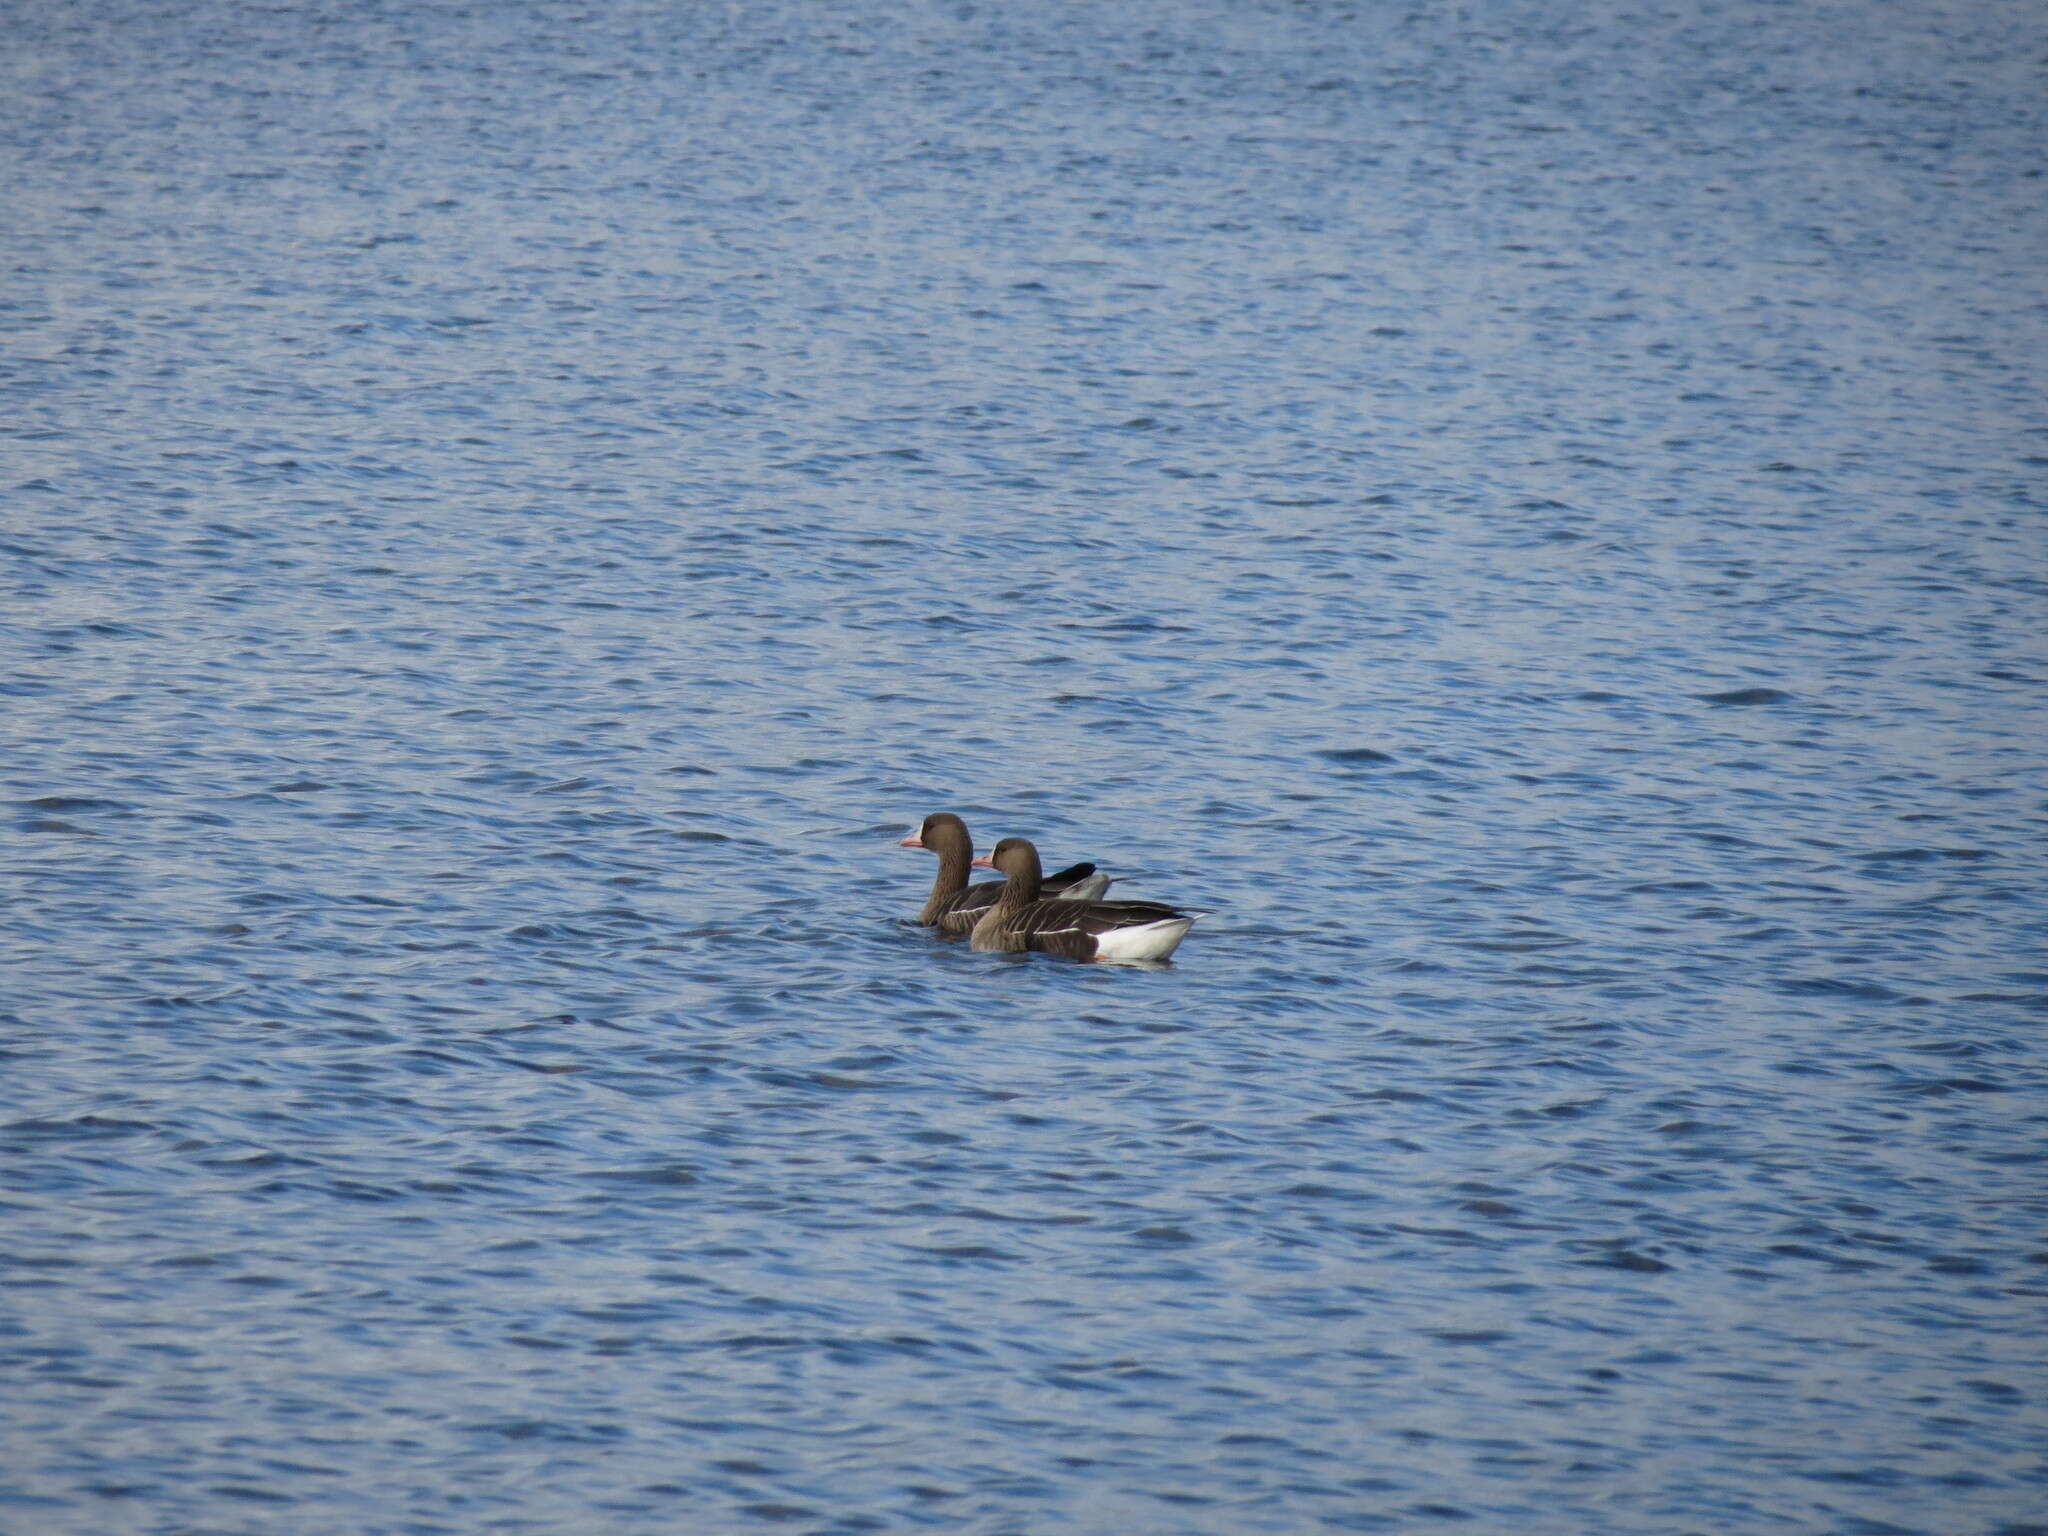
x=1735, y=696
x=492, y=590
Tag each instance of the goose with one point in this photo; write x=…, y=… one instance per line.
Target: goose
x=1080, y=930
x=954, y=905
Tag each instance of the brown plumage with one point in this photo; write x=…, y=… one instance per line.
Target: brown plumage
x=1081, y=930
x=954, y=905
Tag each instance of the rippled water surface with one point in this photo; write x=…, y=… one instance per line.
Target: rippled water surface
x=1532, y=512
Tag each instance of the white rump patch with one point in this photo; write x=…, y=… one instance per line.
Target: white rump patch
x=1147, y=941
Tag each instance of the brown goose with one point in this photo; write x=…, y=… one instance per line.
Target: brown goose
x=954, y=904
x=1080, y=930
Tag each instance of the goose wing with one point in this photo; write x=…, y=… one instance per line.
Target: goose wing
x=1077, y=882
x=1075, y=929
x=963, y=909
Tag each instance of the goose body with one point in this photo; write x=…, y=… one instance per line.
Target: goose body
x=954, y=906
x=1023, y=919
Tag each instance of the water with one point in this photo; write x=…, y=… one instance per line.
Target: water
x=1534, y=513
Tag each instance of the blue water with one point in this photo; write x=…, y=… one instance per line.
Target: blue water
x=1534, y=513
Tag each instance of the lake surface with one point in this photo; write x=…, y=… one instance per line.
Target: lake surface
x=1533, y=513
